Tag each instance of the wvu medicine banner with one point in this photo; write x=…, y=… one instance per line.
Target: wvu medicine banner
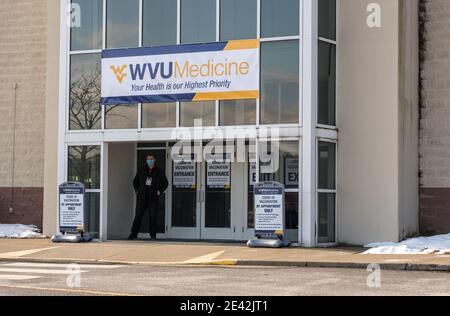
x=195, y=72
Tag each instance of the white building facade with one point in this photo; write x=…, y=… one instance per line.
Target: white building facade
x=313, y=91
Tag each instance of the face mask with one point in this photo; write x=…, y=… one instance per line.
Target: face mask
x=150, y=163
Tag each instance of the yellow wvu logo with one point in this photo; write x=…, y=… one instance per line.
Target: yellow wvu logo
x=119, y=71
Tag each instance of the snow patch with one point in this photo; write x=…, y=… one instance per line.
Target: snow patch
x=19, y=231
x=439, y=244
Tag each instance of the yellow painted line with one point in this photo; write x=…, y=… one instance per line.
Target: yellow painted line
x=67, y=290
x=225, y=262
x=18, y=254
x=242, y=44
x=205, y=258
x=233, y=95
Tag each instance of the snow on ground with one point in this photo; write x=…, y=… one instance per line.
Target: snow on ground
x=421, y=245
x=19, y=231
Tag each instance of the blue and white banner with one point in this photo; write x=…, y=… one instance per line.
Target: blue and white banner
x=195, y=72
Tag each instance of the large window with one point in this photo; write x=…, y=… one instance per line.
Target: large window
x=160, y=22
x=237, y=112
x=84, y=98
x=327, y=84
x=279, y=89
x=122, y=23
x=237, y=19
x=327, y=19
x=87, y=34
x=158, y=115
x=326, y=114
x=121, y=116
x=327, y=192
x=84, y=166
x=192, y=111
x=283, y=168
x=198, y=21
x=280, y=82
x=279, y=18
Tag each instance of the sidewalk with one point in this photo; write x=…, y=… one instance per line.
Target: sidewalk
x=202, y=253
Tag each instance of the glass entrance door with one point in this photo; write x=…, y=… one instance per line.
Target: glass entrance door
x=201, y=195
x=216, y=206
x=186, y=198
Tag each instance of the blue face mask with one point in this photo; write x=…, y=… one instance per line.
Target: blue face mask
x=150, y=163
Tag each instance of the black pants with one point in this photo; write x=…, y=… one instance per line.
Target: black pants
x=141, y=208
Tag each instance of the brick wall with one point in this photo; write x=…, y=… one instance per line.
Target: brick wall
x=435, y=117
x=22, y=62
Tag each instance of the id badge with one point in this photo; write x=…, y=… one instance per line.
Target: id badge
x=148, y=182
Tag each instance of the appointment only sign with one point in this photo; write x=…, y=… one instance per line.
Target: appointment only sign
x=194, y=72
x=71, y=206
x=269, y=208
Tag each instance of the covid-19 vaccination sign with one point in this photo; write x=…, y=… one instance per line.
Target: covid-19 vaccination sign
x=269, y=208
x=195, y=72
x=71, y=206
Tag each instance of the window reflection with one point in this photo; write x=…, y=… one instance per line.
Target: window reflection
x=122, y=23
x=238, y=112
x=92, y=213
x=191, y=111
x=291, y=210
x=88, y=35
x=84, y=165
x=237, y=19
x=160, y=22
x=327, y=84
x=84, y=98
x=286, y=169
x=327, y=220
x=157, y=115
x=279, y=18
x=198, y=21
x=121, y=116
x=279, y=82
x=327, y=166
x=327, y=19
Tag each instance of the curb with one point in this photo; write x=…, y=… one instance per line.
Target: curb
x=347, y=265
x=247, y=263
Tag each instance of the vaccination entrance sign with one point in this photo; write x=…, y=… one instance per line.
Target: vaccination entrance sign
x=184, y=174
x=194, y=72
x=269, y=209
x=71, y=206
x=218, y=175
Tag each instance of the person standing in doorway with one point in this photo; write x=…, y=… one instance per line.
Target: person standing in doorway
x=149, y=184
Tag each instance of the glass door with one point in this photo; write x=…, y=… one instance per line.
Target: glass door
x=216, y=205
x=201, y=202
x=184, y=211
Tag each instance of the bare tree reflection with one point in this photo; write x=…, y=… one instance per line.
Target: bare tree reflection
x=84, y=104
x=84, y=165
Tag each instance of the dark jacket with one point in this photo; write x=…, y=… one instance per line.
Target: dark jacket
x=147, y=193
